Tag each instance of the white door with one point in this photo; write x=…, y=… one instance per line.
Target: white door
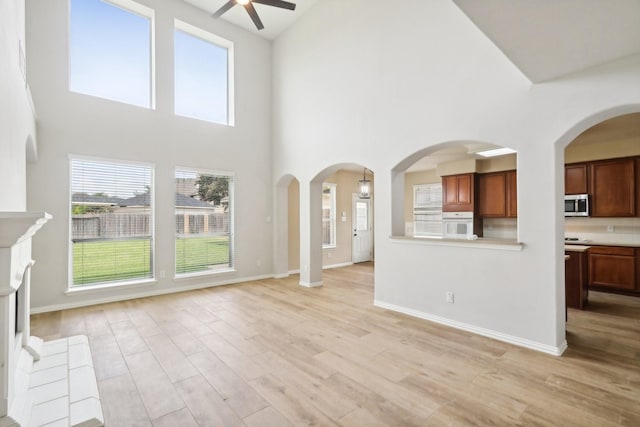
x=362, y=226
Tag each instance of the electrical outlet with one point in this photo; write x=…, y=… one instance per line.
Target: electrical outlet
x=450, y=297
x=258, y=263
x=163, y=274
x=610, y=228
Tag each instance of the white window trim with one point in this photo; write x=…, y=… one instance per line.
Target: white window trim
x=227, y=44
x=137, y=9
x=333, y=217
x=232, y=222
x=124, y=283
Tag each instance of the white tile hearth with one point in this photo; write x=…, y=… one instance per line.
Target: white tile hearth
x=63, y=390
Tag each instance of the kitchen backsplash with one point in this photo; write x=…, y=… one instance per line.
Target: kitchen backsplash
x=604, y=230
x=500, y=228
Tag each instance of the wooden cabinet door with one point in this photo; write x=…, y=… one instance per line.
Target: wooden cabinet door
x=458, y=193
x=576, y=179
x=492, y=195
x=512, y=194
x=613, y=188
x=612, y=267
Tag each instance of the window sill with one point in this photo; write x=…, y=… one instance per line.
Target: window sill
x=329, y=246
x=81, y=289
x=481, y=243
x=204, y=273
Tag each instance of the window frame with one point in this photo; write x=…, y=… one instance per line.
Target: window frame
x=71, y=288
x=135, y=8
x=232, y=252
x=208, y=37
x=332, y=215
x=429, y=209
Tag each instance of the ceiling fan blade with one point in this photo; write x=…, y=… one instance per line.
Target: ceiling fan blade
x=277, y=3
x=228, y=5
x=254, y=15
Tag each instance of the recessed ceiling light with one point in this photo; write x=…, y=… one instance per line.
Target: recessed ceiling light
x=496, y=152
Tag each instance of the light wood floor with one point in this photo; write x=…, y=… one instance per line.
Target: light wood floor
x=271, y=353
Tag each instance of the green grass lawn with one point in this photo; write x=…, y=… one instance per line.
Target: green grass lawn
x=117, y=260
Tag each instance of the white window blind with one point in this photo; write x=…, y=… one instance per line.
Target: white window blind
x=328, y=215
x=111, y=226
x=204, y=222
x=427, y=210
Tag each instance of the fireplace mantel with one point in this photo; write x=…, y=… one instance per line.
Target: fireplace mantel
x=40, y=383
x=16, y=227
x=16, y=230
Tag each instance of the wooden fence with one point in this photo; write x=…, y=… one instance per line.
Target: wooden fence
x=135, y=225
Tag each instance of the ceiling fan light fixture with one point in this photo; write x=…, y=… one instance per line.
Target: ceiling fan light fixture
x=242, y=2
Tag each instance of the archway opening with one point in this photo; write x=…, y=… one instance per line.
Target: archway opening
x=434, y=185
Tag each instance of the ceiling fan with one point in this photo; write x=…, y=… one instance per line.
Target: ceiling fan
x=248, y=5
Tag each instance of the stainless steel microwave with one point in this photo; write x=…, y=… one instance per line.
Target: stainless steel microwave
x=576, y=205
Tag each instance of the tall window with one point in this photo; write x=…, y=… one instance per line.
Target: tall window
x=328, y=215
x=427, y=210
x=204, y=222
x=203, y=78
x=111, y=222
x=110, y=49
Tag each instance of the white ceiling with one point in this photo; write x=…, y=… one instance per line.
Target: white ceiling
x=547, y=39
x=275, y=20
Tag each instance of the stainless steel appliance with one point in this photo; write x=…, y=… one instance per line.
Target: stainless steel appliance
x=457, y=225
x=576, y=205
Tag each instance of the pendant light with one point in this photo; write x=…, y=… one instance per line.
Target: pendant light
x=364, y=186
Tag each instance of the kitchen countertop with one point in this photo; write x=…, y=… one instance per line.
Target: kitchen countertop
x=601, y=243
x=576, y=248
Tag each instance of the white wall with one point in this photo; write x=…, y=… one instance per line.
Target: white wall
x=355, y=83
x=17, y=123
x=71, y=123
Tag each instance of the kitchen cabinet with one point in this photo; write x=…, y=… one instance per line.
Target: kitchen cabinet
x=458, y=193
x=576, y=178
x=497, y=195
x=612, y=267
x=613, y=192
x=576, y=283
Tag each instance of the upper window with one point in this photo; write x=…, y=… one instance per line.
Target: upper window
x=204, y=226
x=203, y=84
x=110, y=50
x=111, y=222
x=328, y=215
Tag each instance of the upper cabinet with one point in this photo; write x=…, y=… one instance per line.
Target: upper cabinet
x=614, y=185
x=458, y=193
x=613, y=191
x=497, y=195
x=576, y=179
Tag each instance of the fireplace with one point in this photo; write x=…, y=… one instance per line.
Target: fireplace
x=37, y=379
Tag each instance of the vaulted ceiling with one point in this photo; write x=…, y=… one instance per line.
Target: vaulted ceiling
x=545, y=39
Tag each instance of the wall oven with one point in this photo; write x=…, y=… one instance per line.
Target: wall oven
x=576, y=205
x=457, y=225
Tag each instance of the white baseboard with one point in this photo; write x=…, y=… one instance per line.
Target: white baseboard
x=149, y=293
x=281, y=276
x=311, y=285
x=294, y=271
x=511, y=339
x=344, y=264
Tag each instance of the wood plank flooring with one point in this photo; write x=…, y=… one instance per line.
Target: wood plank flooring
x=271, y=353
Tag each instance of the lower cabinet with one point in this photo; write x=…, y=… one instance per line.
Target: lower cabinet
x=612, y=267
x=576, y=281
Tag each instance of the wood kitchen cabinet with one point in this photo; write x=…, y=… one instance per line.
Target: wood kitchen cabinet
x=498, y=195
x=612, y=267
x=613, y=192
x=458, y=193
x=576, y=283
x=576, y=178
